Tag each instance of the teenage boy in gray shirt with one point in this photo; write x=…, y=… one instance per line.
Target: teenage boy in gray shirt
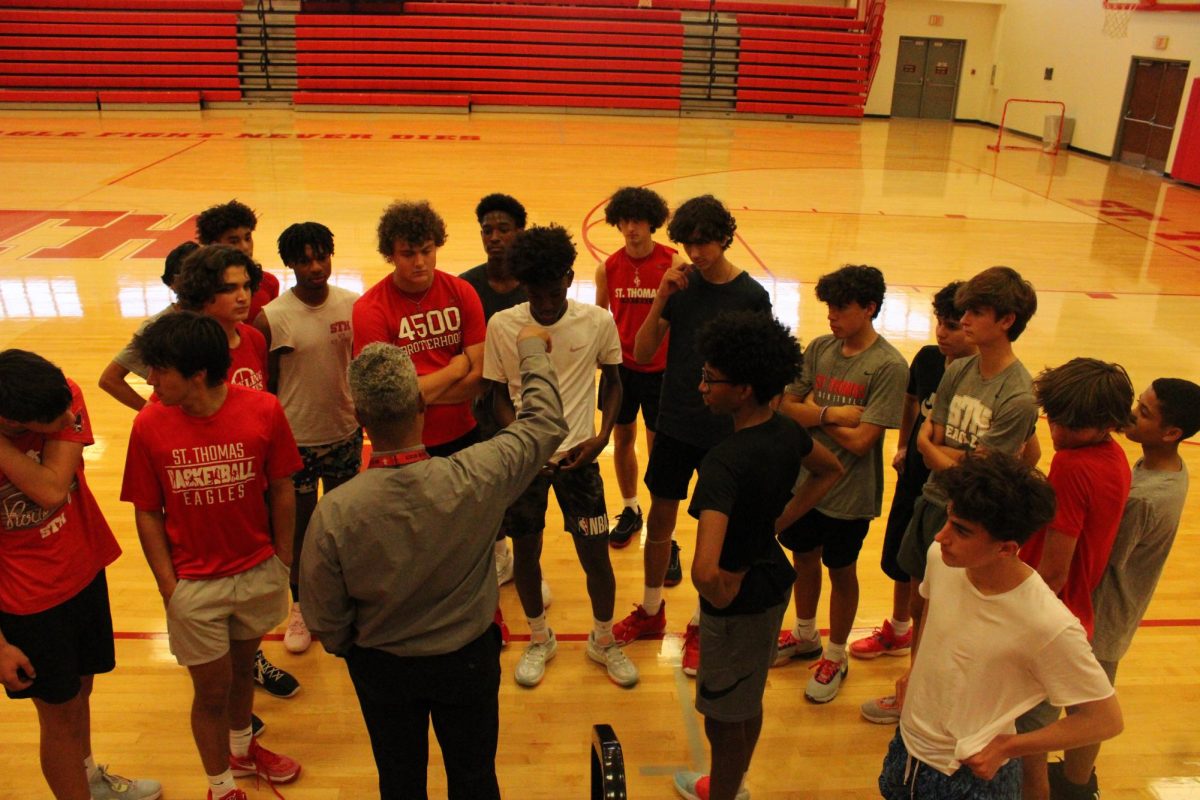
x=851, y=390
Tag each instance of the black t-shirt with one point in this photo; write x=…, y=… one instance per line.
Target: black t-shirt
x=924, y=375
x=492, y=300
x=749, y=477
x=682, y=414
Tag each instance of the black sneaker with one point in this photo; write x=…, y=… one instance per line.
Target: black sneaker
x=256, y=726
x=674, y=568
x=1063, y=789
x=270, y=677
x=629, y=522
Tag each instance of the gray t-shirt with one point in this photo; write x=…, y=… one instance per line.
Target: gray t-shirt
x=1144, y=539
x=128, y=357
x=874, y=379
x=997, y=413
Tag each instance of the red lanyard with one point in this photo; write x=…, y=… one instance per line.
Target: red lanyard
x=398, y=459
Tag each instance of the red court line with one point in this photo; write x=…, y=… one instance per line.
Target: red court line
x=583, y=637
x=753, y=254
x=156, y=163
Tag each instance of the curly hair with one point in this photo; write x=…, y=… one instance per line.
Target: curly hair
x=175, y=261
x=638, y=204
x=296, y=237
x=853, y=283
x=943, y=302
x=996, y=491
x=1179, y=404
x=541, y=255
x=31, y=388
x=414, y=223
x=215, y=220
x=202, y=275
x=702, y=219
x=1086, y=393
x=1003, y=290
x=503, y=203
x=751, y=347
x=383, y=385
x=188, y=343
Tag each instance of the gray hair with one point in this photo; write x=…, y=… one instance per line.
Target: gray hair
x=383, y=384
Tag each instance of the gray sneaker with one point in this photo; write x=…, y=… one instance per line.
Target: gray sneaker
x=881, y=710
x=532, y=666
x=621, y=670
x=108, y=786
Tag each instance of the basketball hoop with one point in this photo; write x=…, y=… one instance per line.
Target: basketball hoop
x=1116, y=19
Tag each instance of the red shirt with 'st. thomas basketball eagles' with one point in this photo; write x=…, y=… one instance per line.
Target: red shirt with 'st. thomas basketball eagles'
x=632, y=287
x=49, y=555
x=432, y=328
x=209, y=476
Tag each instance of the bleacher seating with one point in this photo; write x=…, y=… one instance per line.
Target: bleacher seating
x=119, y=52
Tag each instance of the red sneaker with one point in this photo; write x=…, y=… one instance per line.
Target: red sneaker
x=505, y=636
x=262, y=763
x=883, y=642
x=790, y=647
x=236, y=794
x=640, y=625
x=691, y=650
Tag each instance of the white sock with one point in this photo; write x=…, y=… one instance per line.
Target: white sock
x=631, y=502
x=835, y=652
x=222, y=784
x=602, y=632
x=539, y=632
x=652, y=599
x=239, y=742
x=501, y=547
x=900, y=627
x=93, y=771
x=805, y=630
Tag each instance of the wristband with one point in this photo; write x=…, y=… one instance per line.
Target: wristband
x=821, y=419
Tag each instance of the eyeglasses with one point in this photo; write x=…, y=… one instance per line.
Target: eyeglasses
x=711, y=381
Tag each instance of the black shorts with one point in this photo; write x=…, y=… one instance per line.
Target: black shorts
x=671, y=466
x=840, y=540
x=447, y=449
x=64, y=643
x=893, y=535
x=639, y=390
x=580, y=495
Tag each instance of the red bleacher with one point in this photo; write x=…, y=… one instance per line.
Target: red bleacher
x=119, y=52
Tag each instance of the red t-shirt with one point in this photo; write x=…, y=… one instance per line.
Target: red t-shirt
x=268, y=290
x=432, y=328
x=632, y=286
x=47, y=556
x=248, y=366
x=209, y=475
x=1091, y=484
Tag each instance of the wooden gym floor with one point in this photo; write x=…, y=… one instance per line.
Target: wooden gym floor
x=95, y=201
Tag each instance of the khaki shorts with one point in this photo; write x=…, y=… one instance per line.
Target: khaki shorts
x=204, y=616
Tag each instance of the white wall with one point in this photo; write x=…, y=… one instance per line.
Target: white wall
x=1023, y=37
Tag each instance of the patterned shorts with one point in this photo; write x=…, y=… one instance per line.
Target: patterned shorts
x=580, y=495
x=904, y=777
x=339, y=461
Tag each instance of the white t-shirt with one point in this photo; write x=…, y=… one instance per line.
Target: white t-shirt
x=583, y=339
x=313, y=388
x=986, y=659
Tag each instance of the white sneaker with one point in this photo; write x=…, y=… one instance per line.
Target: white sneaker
x=621, y=670
x=547, y=595
x=532, y=666
x=297, y=638
x=504, y=568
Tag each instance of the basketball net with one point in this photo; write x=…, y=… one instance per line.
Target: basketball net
x=1116, y=19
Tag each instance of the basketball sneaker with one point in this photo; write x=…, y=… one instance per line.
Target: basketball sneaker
x=532, y=666
x=881, y=710
x=640, y=625
x=883, y=642
x=256, y=726
x=690, y=662
x=262, y=763
x=1063, y=789
x=621, y=670
x=236, y=794
x=297, y=638
x=674, y=567
x=694, y=786
x=271, y=678
x=504, y=568
x=826, y=681
x=629, y=522
x=107, y=786
x=789, y=647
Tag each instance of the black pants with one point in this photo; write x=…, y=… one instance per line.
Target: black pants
x=459, y=690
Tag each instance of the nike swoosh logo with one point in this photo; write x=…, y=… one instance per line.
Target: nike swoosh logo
x=709, y=694
x=577, y=349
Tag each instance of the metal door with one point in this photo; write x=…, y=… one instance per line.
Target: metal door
x=927, y=73
x=1152, y=100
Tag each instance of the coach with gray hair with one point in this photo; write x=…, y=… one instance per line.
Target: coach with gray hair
x=398, y=573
